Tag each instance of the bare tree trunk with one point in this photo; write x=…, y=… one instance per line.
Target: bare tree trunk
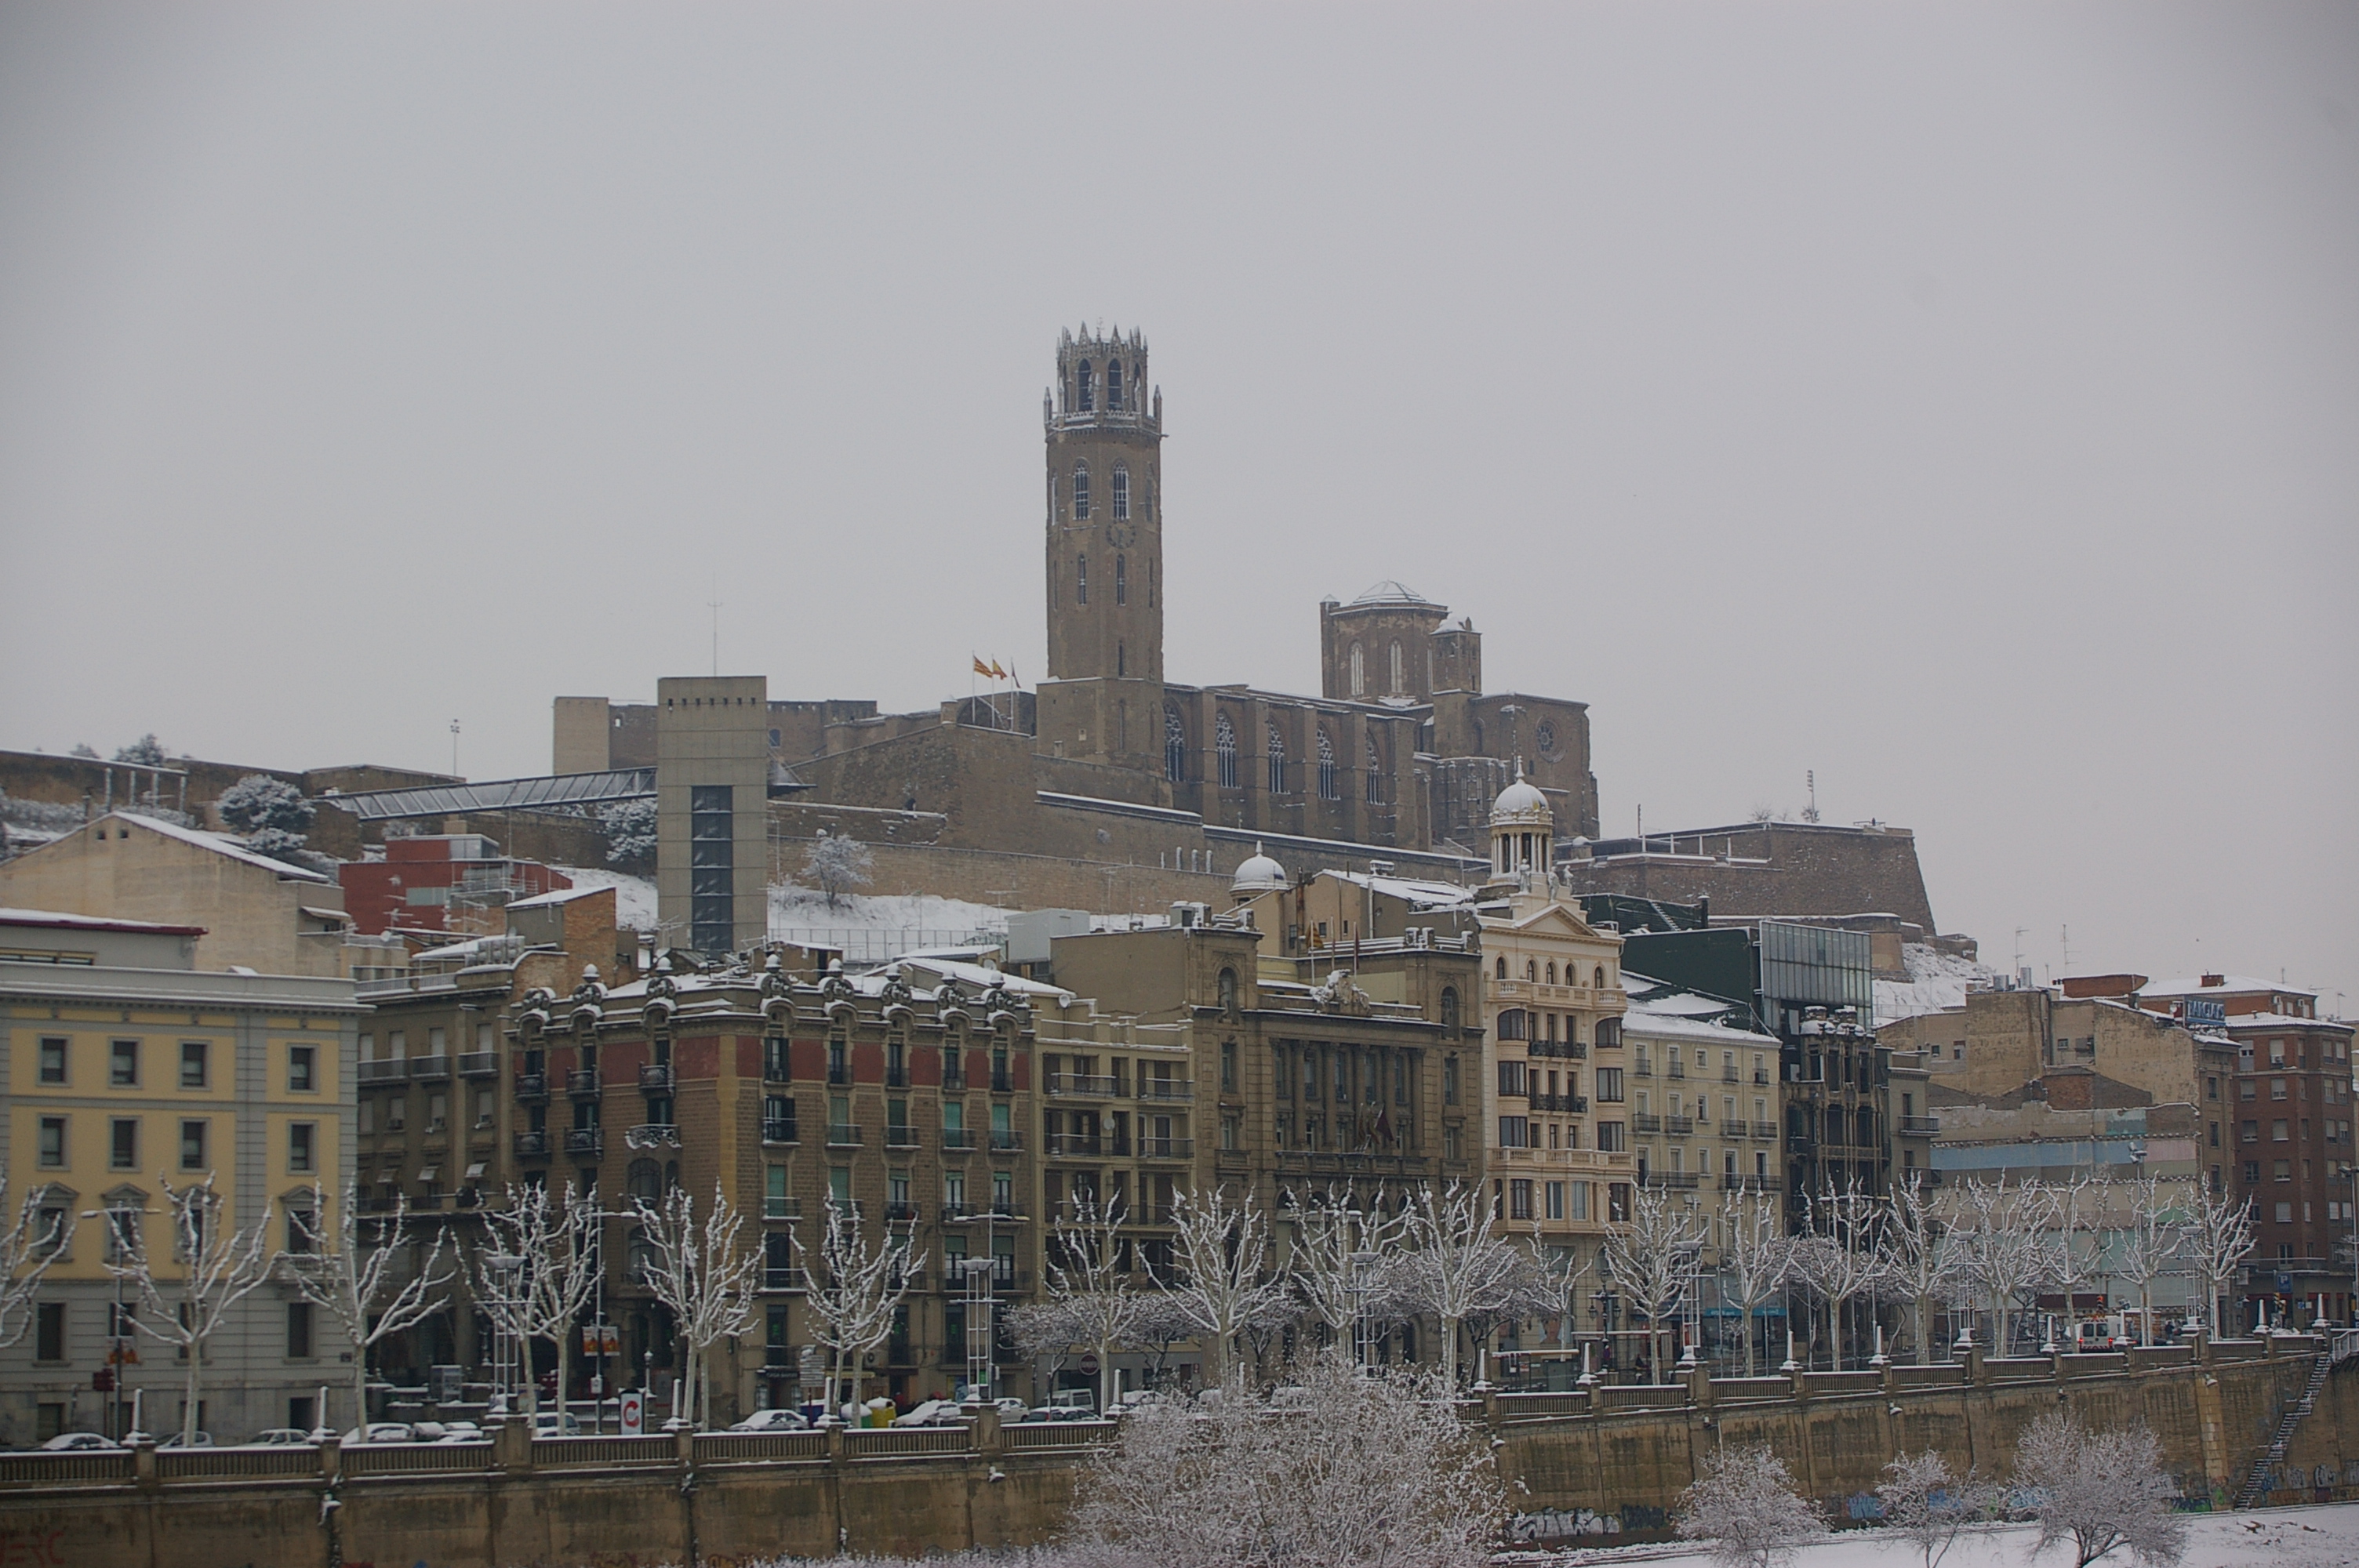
x=189, y=1396
x=360, y=1393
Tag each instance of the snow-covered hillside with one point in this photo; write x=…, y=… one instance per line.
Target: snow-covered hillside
x=1936, y=980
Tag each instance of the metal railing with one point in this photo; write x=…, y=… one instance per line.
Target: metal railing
x=530, y=1145
x=581, y=1081
x=1920, y=1126
x=430, y=1069
x=479, y=1064
x=1005, y=1138
x=1076, y=1084
x=1068, y=1145
x=779, y=1130
x=1679, y=1126
x=957, y=1138
x=1646, y=1122
x=900, y=1136
x=656, y=1078
x=1167, y=1148
x=1165, y=1089
x=531, y=1088
x=590, y=1140
x=393, y=1072
x=844, y=1135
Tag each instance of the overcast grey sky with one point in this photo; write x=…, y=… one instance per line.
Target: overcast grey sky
x=1960, y=401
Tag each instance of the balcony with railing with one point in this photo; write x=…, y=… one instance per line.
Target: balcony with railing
x=479, y=1064
x=1765, y=1131
x=1920, y=1126
x=782, y=1208
x=589, y=1142
x=1747, y=1184
x=1167, y=1148
x=1676, y=1070
x=430, y=1069
x=1003, y=1083
x=897, y=1077
x=900, y=1135
x=1642, y=1068
x=901, y=1213
x=393, y=1072
x=653, y=1135
x=839, y=1074
x=532, y=1088
x=582, y=1083
x=1080, y=1085
x=844, y=1135
x=1679, y=1126
x=958, y=1140
x=1165, y=1089
x=1675, y=1181
x=530, y=1145
x=1074, y=1145
x=1643, y=1122
x=781, y=1357
x=782, y=1278
x=779, y=1130
x=1729, y=1074
x=656, y=1078
x=1004, y=1140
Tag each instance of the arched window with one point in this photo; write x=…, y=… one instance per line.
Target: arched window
x=1224, y=748
x=1326, y=766
x=1400, y=681
x=1088, y=398
x=644, y=1180
x=1551, y=971
x=1376, y=781
x=1609, y=1031
x=1531, y=969
x=1277, y=761
x=1359, y=672
x=1228, y=984
x=1478, y=739
x=1081, y=579
x=1503, y=966
x=1449, y=1008
x=1121, y=494
x=1081, y=492
x=1122, y=579
x=1599, y=981
x=1113, y=383
x=1175, y=746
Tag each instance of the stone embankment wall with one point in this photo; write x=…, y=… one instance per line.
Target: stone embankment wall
x=1606, y=1463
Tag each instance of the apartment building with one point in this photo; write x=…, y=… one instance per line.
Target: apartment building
x=127, y=1068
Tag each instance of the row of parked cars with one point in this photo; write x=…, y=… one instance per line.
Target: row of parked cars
x=932, y=1412
x=546, y=1423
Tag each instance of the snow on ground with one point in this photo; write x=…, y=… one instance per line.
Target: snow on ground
x=2326, y=1536
x=871, y=928
x=635, y=897
x=1937, y=980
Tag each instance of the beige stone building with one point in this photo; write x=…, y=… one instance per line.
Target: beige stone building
x=256, y=913
x=126, y=1065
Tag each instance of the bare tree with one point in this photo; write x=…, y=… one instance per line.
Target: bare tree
x=1553, y=1284
x=1223, y=1287
x=2219, y=1237
x=218, y=1268
x=1838, y=1259
x=1374, y=1471
x=702, y=1276
x=1651, y=1259
x=2152, y=1241
x=348, y=1281
x=1347, y=1263
x=2072, y=1247
x=854, y=1295
x=2005, y=1251
x=1745, y=1504
x=1081, y=1275
x=37, y=1238
x=540, y=1270
x=839, y=863
x=1921, y=1261
x=1047, y=1330
x=1756, y=1260
x=1929, y=1506
x=1459, y=1268
x=2100, y=1490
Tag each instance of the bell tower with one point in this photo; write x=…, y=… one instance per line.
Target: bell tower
x=1103, y=697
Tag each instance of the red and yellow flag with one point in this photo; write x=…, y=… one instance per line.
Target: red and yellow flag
x=980, y=667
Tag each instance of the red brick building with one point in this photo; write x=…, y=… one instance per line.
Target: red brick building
x=2289, y=1126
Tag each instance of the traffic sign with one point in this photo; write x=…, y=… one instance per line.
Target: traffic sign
x=1089, y=1364
x=635, y=1413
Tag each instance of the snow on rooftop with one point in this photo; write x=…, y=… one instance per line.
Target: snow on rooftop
x=221, y=844
x=1391, y=592
x=1425, y=895
x=561, y=895
x=2229, y=984
x=92, y=921
x=1937, y=982
x=635, y=897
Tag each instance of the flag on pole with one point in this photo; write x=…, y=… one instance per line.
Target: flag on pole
x=980, y=667
x=997, y=673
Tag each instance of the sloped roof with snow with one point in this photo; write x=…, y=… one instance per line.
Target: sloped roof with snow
x=221, y=844
x=1392, y=592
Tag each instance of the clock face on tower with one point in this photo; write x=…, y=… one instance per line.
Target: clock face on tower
x=1121, y=535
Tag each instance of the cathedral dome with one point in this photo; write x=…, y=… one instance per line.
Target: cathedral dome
x=1521, y=803
x=1258, y=873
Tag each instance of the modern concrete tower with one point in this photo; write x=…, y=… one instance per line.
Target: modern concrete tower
x=712, y=775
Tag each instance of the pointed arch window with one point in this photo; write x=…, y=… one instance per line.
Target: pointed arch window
x=1225, y=749
x=1326, y=766
x=1113, y=383
x=1375, y=790
x=1175, y=746
x=1081, y=579
x=1121, y=494
x=1087, y=385
x=1277, y=761
x=1399, y=671
x=1122, y=579
x=1359, y=672
x=1081, y=492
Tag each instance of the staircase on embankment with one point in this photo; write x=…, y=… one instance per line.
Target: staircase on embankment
x=2344, y=1346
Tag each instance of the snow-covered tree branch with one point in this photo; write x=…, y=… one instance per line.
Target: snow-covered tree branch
x=1755, y=1260
x=1746, y=1506
x=702, y=1276
x=853, y=1293
x=1837, y=1258
x=1224, y=1288
x=839, y=863
x=539, y=1268
x=35, y=1239
x=1651, y=1257
x=349, y=1282
x=1931, y=1507
x=219, y=1268
x=2219, y=1237
x=1459, y=1270
x=2101, y=1491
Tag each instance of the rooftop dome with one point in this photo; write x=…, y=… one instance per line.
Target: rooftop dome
x=1258, y=873
x=1391, y=592
x=1521, y=803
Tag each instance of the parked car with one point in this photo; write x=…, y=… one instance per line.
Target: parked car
x=383, y=1431
x=932, y=1412
x=279, y=1437
x=556, y=1424
x=449, y=1432
x=1012, y=1410
x=194, y=1440
x=1059, y=1412
x=77, y=1442
x=772, y=1420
